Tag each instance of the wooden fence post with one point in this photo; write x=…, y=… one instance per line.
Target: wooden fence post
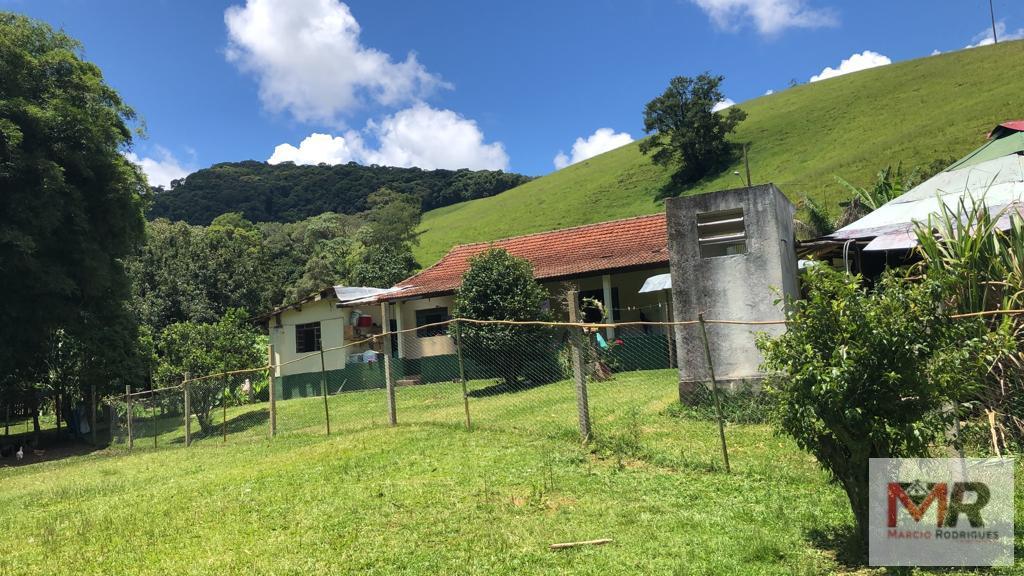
x=128, y=413
x=389, y=382
x=273, y=394
x=670, y=329
x=462, y=372
x=323, y=390
x=92, y=413
x=223, y=418
x=578, y=367
x=7, y=420
x=714, y=390
x=188, y=412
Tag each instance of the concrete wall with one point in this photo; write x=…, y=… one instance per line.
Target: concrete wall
x=333, y=323
x=731, y=287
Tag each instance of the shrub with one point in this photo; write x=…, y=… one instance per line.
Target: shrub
x=870, y=374
x=499, y=286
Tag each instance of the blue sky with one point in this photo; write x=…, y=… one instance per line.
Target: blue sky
x=465, y=83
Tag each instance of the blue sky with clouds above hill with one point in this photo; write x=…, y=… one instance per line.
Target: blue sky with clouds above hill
x=528, y=86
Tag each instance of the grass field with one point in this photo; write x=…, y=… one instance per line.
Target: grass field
x=801, y=138
x=428, y=497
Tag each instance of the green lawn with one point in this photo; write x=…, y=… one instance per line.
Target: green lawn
x=800, y=139
x=428, y=497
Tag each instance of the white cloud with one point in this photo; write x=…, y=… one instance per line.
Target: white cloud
x=769, y=92
x=429, y=138
x=308, y=59
x=863, y=61
x=417, y=136
x=601, y=141
x=315, y=149
x=723, y=105
x=984, y=38
x=935, y=52
x=162, y=169
x=768, y=16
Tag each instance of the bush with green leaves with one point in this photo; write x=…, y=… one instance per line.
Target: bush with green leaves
x=863, y=374
x=196, y=350
x=499, y=286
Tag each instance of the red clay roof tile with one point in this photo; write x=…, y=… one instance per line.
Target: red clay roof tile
x=582, y=250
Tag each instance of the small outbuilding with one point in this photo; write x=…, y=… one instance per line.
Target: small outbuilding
x=733, y=259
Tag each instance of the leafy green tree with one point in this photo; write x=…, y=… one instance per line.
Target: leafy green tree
x=499, y=286
x=327, y=266
x=191, y=273
x=384, y=265
x=863, y=374
x=383, y=254
x=393, y=218
x=685, y=132
x=201, y=349
x=232, y=273
x=305, y=256
x=70, y=210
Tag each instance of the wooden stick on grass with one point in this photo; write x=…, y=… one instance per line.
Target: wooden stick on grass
x=565, y=545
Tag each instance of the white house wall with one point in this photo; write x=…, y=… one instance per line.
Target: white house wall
x=282, y=337
x=414, y=346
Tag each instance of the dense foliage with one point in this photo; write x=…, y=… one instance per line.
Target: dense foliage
x=70, y=211
x=187, y=273
x=499, y=286
x=685, y=131
x=190, y=349
x=289, y=193
x=982, y=270
x=863, y=374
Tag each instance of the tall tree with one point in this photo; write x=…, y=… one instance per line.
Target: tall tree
x=70, y=207
x=383, y=255
x=685, y=132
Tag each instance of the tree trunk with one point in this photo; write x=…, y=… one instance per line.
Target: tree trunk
x=205, y=423
x=35, y=426
x=857, y=492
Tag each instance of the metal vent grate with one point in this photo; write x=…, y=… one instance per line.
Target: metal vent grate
x=721, y=233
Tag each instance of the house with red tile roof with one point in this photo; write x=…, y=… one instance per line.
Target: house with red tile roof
x=608, y=262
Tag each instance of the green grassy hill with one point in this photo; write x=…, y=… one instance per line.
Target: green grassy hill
x=800, y=139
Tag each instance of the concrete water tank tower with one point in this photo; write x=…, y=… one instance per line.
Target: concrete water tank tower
x=732, y=257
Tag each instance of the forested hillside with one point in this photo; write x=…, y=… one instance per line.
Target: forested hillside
x=289, y=193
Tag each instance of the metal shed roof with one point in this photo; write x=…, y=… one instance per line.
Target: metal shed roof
x=993, y=174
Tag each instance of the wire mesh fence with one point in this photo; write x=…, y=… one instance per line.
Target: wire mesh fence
x=558, y=380
x=219, y=407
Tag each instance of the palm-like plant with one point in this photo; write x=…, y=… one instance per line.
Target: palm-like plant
x=982, y=268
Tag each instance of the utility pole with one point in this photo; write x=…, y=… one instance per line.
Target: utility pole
x=992, y=12
x=746, y=163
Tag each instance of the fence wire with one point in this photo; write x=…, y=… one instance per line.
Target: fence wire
x=590, y=382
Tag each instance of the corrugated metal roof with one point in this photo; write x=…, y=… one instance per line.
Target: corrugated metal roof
x=993, y=174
